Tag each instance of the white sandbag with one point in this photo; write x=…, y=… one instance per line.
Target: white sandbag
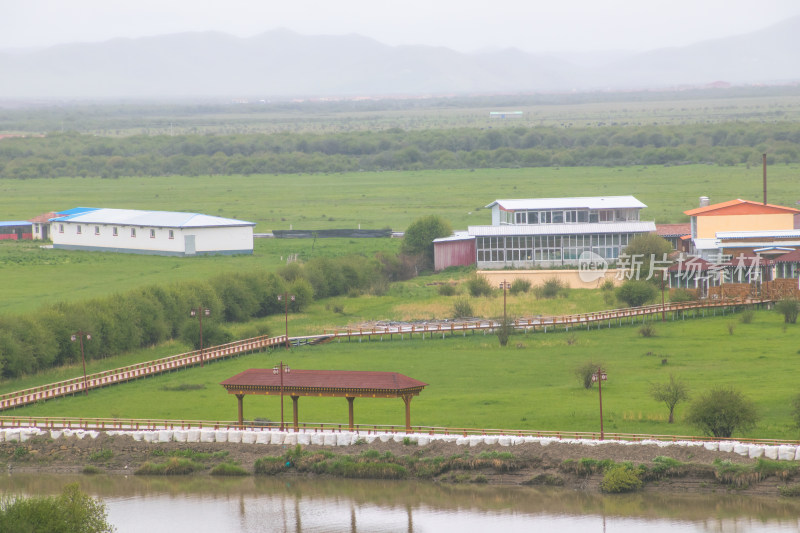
x=504, y=441
x=193, y=435
x=711, y=446
x=138, y=436
x=148, y=436
x=248, y=437
x=344, y=439
x=13, y=435
x=516, y=441
x=277, y=437
x=221, y=435
x=423, y=441
x=234, y=435
x=25, y=434
x=79, y=433
x=329, y=439
x=787, y=453
x=165, y=435
x=385, y=437
x=490, y=440
x=291, y=439
x=55, y=434
x=399, y=438
x=726, y=446
x=179, y=435
x=771, y=452
x=462, y=441
x=741, y=449
x=207, y=435
x=369, y=439
x=450, y=438
x=797, y=455
x=263, y=437
x=754, y=451
x=92, y=434
x=318, y=439
x=303, y=439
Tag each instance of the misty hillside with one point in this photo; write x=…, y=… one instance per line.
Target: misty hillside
x=282, y=63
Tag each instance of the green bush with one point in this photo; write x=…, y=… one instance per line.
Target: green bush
x=636, y=293
x=173, y=467
x=447, y=289
x=228, y=469
x=647, y=330
x=747, y=316
x=462, y=309
x=71, y=512
x=789, y=308
x=620, y=478
x=681, y=295
x=478, y=286
x=722, y=411
x=551, y=288
x=520, y=285
x=584, y=373
x=790, y=491
x=505, y=331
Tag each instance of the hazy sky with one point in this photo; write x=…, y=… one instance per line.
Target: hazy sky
x=464, y=25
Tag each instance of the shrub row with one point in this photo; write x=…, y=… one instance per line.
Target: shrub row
x=151, y=315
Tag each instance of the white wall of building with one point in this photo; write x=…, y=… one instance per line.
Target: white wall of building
x=150, y=240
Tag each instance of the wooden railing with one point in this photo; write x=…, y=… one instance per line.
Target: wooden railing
x=136, y=371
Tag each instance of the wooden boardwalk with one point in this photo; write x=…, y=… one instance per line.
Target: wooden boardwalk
x=670, y=311
x=139, y=370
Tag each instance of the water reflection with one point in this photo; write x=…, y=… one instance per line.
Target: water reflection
x=250, y=504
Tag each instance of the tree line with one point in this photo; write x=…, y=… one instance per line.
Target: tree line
x=151, y=315
x=76, y=155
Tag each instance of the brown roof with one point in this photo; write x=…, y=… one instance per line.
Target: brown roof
x=790, y=257
x=45, y=217
x=353, y=380
x=673, y=230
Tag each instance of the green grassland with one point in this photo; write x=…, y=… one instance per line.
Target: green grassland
x=32, y=276
x=473, y=382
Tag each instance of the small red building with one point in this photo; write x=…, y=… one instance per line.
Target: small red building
x=457, y=250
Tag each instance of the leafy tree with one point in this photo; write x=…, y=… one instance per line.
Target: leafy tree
x=419, y=236
x=505, y=330
x=642, y=249
x=671, y=393
x=721, y=411
x=636, y=292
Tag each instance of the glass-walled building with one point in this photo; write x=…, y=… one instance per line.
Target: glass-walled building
x=546, y=232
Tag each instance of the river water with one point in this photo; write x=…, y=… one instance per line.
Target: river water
x=244, y=505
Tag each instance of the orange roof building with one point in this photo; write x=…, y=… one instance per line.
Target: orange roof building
x=739, y=215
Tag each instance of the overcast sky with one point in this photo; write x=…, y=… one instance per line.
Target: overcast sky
x=464, y=25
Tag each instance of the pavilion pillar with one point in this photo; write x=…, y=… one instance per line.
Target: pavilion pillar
x=294, y=411
x=240, y=400
x=407, y=401
x=350, y=400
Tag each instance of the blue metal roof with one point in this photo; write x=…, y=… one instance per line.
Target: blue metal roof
x=7, y=223
x=162, y=219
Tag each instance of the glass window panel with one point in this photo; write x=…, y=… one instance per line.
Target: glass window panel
x=558, y=217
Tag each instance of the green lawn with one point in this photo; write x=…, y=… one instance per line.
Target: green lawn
x=530, y=384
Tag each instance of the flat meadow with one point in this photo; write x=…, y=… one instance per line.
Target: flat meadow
x=474, y=382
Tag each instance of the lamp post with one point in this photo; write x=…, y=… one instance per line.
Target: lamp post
x=504, y=286
x=200, y=312
x=79, y=336
x=663, y=313
x=286, y=297
x=599, y=377
x=281, y=369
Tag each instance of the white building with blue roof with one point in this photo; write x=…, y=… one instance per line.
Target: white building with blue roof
x=150, y=232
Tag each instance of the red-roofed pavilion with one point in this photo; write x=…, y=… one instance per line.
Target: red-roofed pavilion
x=350, y=384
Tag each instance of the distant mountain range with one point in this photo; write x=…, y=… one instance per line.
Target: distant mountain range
x=284, y=64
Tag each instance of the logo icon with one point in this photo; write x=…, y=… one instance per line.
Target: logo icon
x=591, y=267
